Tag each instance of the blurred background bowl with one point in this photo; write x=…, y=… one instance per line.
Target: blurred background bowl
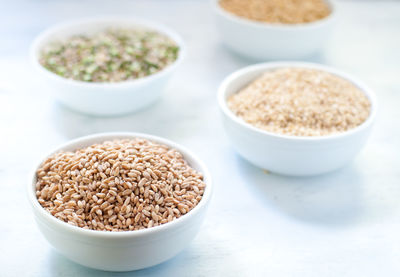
x=104, y=98
x=261, y=41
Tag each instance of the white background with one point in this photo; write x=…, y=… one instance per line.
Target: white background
x=342, y=224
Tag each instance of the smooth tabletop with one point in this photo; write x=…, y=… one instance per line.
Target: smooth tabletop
x=345, y=223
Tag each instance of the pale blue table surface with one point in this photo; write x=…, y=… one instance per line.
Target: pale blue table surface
x=346, y=223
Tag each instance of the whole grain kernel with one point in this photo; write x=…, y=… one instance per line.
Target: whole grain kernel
x=300, y=102
x=105, y=204
x=278, y=11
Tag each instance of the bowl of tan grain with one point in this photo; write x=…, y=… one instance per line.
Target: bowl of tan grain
x=296, y=118
x=119, y=201
x=274, y=30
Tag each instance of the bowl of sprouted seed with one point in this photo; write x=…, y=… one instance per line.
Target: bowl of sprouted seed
x=107, y=66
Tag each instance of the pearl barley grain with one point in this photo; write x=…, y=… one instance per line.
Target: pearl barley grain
x=301, y=102
x=119, y=185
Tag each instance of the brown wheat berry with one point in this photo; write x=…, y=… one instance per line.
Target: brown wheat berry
x=278, y=11
x=301, y=102
x=118, y=185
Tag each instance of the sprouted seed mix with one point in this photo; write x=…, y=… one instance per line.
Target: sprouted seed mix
x=301, y=102
x=112, y=55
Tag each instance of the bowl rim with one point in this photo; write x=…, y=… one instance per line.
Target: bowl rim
x=222, y=99
x=47, y=33
x=99, y=137
x=275, y=26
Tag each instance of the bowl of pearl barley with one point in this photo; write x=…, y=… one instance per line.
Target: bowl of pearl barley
x=296, y=118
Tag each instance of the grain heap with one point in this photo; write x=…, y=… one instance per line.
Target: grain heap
x=113, y=55
x=118, y=185
x=301, y=102
x=278, y=11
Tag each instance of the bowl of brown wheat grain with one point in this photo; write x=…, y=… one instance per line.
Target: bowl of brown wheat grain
x=119, y=201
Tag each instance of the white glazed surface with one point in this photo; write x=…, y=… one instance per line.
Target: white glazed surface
x=105, y=99
x=291, y=155
x=121, y=251
x=261, y=41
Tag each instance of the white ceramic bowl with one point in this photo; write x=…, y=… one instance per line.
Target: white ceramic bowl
x=103, y=98
x=291, y=155
x=128, y=250
x=261, y=41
